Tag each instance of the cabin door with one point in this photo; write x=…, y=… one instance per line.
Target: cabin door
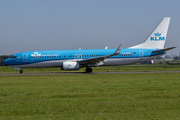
x=141, y=53
x=24, y=57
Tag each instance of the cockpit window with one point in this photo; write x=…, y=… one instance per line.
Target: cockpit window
x=14, y=57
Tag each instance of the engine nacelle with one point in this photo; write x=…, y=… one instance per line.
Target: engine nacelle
x=70, y=66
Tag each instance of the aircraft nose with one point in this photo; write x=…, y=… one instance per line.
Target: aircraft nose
x=6, y=62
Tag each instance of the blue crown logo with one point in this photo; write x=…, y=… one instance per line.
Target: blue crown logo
x=69, y=65
x=157, y=34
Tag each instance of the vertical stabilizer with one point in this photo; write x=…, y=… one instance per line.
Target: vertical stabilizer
x=157, y=38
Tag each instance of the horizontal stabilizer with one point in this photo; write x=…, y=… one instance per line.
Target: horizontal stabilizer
x=163, y=50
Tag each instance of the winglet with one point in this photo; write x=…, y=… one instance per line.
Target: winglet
x=118, y=50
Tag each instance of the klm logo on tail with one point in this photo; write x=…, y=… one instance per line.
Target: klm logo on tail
x=157, y=37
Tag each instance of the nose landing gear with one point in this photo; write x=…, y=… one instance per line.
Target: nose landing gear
x=21, y=71
x=88, y=70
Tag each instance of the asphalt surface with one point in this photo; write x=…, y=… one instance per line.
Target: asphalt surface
x=82, y=73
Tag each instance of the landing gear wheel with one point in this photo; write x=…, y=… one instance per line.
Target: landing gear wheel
x=21, y=71
x=88, y=70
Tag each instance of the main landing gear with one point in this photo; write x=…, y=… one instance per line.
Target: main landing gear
x=21, y=71
x=88, y=70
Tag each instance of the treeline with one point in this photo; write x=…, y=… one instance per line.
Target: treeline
x=176, y=58
x=2, y=58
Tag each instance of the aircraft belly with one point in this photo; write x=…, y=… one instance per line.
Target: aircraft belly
x=54, y=63
x=126, y=61
x=120, y=61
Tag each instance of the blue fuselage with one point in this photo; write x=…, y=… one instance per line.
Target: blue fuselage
x=55, y=58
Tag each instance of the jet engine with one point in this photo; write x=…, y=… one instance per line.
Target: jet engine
x=70, y=66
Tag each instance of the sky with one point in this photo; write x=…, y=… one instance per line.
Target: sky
x=31, y=25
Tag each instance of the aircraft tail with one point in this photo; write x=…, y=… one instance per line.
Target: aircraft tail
x=157, y=38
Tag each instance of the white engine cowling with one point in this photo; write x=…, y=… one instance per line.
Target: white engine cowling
x=70, y=66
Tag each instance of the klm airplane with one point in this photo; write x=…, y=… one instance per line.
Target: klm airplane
x=76, y=59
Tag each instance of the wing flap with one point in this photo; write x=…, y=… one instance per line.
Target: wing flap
x=92, y=60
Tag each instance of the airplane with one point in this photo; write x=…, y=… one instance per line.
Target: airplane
x=75, y=59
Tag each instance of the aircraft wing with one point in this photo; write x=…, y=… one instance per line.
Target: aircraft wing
x=92, y=61
x=96, y=60
x=163, y=50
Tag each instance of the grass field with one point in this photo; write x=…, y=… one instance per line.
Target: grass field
x=137, y=67
x=86, y=97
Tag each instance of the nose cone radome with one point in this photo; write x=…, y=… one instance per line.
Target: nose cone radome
x=6, y=62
